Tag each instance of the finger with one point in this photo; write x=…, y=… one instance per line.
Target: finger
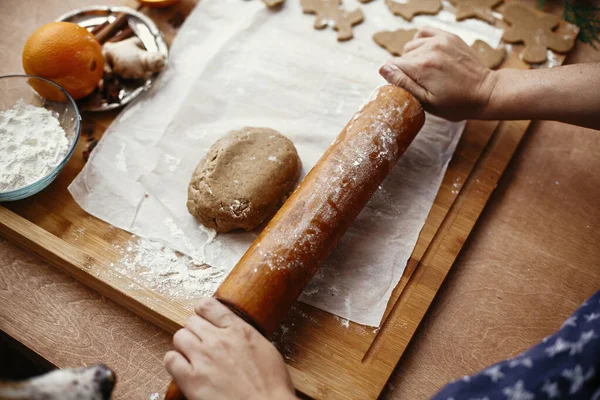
x=200, y=327
x=177, y=365
x=407, y=64
x=216, y=313
x=187, y=343
x=428, y=32
x=414, y=44
x=396, y=76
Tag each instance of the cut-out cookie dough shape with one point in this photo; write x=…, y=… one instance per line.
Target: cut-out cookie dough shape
x=394, y=41
x=328, y=13
x=535, y=29
x=411, y=8
x=487, y=55
x=481, y=9
x=273, y=3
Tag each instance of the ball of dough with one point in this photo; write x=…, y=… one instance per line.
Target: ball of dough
x=244, y=179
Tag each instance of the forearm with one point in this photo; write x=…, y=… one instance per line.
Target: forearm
x=569, y=94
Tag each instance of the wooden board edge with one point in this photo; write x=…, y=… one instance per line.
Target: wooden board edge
x=415, y=258
x=89, y=271
x=434, y=268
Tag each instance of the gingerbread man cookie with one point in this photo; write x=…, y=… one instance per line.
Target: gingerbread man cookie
x=328, y=13
x=488, y=56
x=481, y=9
x=410, y=8
x=273, y=3
x=535, y=29
x=394, y=41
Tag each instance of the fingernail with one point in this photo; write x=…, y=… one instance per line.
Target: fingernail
x=388, y=69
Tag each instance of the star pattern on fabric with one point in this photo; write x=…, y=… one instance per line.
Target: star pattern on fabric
x=517, y=392
x=571, y=321
x=525, y=362
x=564, y=365
x=585, y=338
x=591, y=317
x=544, y=340
x=558, y=347
x=577, y=377
x=562, y=345
x=551, y=389
x=494, y=373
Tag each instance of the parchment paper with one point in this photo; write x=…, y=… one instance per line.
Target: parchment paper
x=233, y=64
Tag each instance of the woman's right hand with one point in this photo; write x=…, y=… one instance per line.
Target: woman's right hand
x=440, y=70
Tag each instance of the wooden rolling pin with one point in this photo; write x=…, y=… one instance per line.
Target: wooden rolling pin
x=272, y=274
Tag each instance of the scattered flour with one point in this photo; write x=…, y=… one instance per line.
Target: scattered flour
x=154, y=396
x=456, y=187
x=166, y=271
x=78, y=233
x=120, y=159
x=172, y=162
x=197, y=254
x=343, y=321
x=32, y=144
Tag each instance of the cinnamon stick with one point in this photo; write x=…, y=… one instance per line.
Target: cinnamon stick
x=108, y=31
x=98, y=28
x=124, y=34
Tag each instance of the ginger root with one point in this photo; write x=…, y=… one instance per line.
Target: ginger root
x=130, y=60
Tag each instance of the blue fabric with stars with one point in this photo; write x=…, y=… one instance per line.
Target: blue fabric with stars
x=565, y=365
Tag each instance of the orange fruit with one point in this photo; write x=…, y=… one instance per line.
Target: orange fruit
x=66, y=54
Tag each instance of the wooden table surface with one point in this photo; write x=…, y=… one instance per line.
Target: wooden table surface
x=533, y=257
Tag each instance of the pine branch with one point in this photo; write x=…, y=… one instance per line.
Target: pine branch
x=585, y=16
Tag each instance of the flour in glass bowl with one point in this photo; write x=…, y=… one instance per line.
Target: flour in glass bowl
x=32, y=144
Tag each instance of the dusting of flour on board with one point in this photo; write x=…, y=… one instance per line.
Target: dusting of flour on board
x=343, y=321
x=166, y=271
x=197, y=254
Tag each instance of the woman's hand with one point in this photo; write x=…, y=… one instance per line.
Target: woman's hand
x=440, y=70
x=219, y=356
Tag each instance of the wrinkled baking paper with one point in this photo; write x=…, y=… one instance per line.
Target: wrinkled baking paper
x=235, y=64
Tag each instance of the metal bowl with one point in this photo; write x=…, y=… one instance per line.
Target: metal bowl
x=17, y=88
x=142, y=27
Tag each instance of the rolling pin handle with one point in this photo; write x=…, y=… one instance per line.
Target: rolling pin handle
x=242, y=315
x=174, y=393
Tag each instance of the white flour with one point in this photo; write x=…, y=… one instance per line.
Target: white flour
x=32, y=144
x=170, y=273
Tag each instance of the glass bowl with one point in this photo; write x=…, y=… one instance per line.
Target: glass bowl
x=15, y=88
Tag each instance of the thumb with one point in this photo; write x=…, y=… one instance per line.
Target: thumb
x=396, y=76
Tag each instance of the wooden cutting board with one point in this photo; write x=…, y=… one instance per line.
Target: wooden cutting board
x=328, y=358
